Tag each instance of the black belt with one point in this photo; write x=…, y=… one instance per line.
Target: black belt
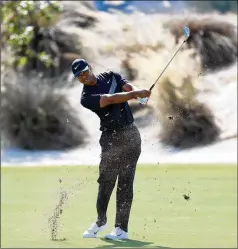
x=124, y=127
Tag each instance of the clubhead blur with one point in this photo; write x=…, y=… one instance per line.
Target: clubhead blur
x=143, y=101
x=186, y=32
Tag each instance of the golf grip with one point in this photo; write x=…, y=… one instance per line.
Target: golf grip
x=167, y=65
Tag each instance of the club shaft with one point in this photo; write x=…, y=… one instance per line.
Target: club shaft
x=167, y=65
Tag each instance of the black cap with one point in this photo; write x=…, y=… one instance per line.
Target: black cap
x=78, y=66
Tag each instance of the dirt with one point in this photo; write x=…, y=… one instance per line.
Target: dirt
x=54, y=221
x=186, y=197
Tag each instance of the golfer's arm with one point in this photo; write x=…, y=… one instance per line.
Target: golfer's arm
x=128, y=87
x=117, y=98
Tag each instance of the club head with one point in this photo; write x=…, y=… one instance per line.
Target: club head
x=143, y=101
x=186, y=32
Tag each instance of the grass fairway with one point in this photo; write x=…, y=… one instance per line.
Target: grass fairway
x=161, y=217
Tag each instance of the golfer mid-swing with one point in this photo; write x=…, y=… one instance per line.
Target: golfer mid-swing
x=106, y=95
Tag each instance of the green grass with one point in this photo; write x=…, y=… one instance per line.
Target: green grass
x=160, y=216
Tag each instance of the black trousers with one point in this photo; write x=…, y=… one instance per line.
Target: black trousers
x=120, y=153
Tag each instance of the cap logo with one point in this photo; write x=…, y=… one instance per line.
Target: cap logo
x=76, y=67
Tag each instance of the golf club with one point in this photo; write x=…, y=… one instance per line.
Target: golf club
x=186, y=33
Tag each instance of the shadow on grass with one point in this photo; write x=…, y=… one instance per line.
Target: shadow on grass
x=128, y=244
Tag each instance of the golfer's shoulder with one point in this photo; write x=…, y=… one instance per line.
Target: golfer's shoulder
x=86, y=97
x=109, y=73
x=84, y=93
x=105, y=74
x=114, y=73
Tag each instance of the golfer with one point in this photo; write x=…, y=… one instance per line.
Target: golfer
x=106, y=95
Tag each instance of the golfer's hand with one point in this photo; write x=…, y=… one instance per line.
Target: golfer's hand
x=143, y=96
x=142, y=93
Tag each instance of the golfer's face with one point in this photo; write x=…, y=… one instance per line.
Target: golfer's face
x=86, y=78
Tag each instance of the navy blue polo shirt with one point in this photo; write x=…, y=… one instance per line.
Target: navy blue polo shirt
x=114, y=116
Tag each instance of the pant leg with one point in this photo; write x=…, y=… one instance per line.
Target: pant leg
x=108, y=172
x=126, y=178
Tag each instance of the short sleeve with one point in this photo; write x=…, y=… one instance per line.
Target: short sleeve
x=120, y=79
x=91, y=101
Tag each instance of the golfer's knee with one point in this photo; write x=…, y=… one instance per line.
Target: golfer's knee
x=108, y=178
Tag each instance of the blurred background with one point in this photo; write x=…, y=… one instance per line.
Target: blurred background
x=192, y=114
